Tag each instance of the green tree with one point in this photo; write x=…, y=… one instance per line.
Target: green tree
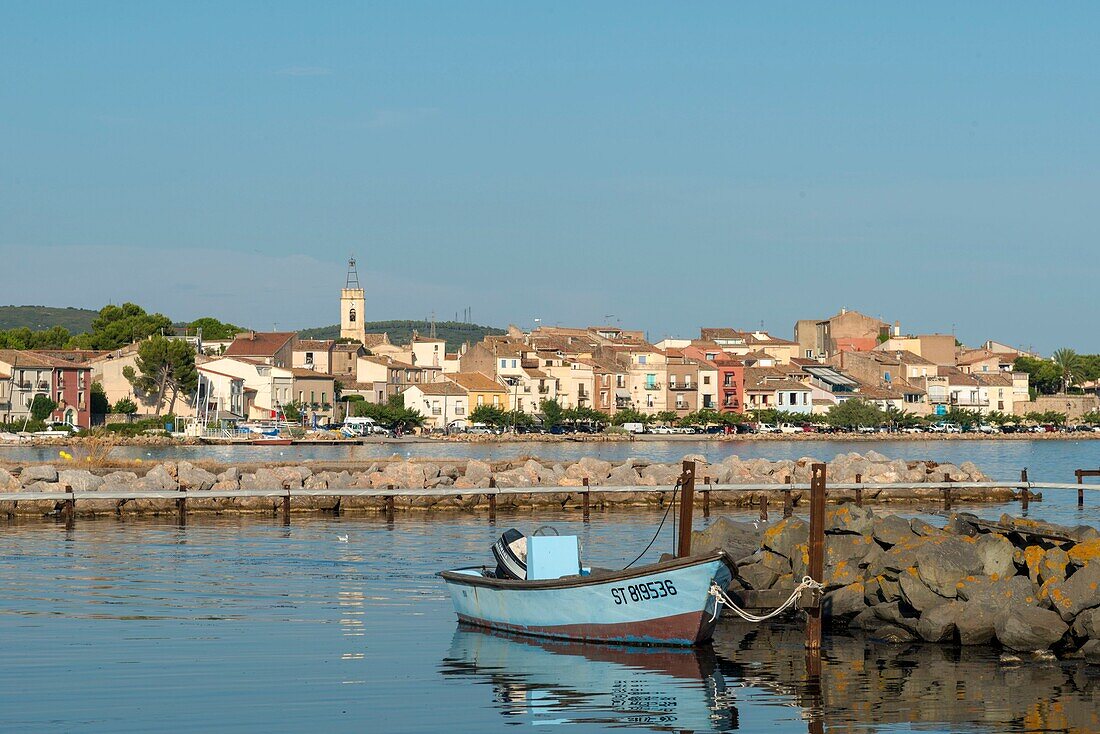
x=552, y=413
x=1043, y=375
x=56, y=337
x=42, y=407
x=293, y=411
x=117, y=326
x=518, y=419
x=853, y=413
x=99, y=404
x=125, y=406
x=490, y=415
x=668, y=417
x=629, y=415
x=1068, y=364
x=965, y=419
x=214, y=330
x=584, y=414
x=164, y=366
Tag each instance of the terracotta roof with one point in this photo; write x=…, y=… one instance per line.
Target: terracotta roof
x=201, y=368
x=439, y=388
x=477, y=382
x=373, y=340
x=993, y=379
x=259, y=344
x=387, y=361
x=346, y=347
x=30, y=358
x=303, y=372
x=975, y=356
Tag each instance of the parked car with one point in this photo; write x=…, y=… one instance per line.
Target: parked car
x=790, y=428
x=944, y=427
x=766, y=428
x=867, y=429
x=634, y=427
x=988, y=428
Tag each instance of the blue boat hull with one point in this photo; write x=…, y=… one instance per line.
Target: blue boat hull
x=661, y=604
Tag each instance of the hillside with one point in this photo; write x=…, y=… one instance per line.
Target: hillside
x=453, y=332
x=39, y=318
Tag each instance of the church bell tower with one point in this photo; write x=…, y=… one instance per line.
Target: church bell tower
x=352, y=305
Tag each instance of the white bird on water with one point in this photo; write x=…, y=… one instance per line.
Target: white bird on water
x=342, y=538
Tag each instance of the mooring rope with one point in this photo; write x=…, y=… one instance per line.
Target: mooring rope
x=723, y=599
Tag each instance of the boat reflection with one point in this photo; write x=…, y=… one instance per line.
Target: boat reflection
x=541, y=682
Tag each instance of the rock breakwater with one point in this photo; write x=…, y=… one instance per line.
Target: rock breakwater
x=1023, y=584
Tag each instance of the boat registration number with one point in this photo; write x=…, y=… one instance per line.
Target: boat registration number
x=643, y=592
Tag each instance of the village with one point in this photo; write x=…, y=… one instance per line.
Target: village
x=526, y=380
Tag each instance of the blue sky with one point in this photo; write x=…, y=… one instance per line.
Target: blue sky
x=668, y=165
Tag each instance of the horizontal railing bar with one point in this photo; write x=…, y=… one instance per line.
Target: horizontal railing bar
x=116, y=494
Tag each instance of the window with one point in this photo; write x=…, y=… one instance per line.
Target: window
x=503, y=363
x=309, y=358
x=781, y=398
x=312, y=397
x=323, y=398
x=706, y=379
x=301, y=396
x=729, y=380
x=886, y=376
x=351, y=316
x=641, y=359
x=515, y=364
x=480, y=400
x=651, y=380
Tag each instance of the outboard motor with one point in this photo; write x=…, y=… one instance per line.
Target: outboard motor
x=511, y=554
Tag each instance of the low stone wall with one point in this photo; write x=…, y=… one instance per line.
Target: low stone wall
x=1023, y=584
x=467, y=477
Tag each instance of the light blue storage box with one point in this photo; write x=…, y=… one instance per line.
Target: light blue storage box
x=552, y=556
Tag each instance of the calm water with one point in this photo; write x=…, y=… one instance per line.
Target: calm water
x=1052, y=460
x=247, y=625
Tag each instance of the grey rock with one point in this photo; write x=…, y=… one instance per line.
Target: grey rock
x=867, y=620
x=844, y=601
x=996, y=553
x=849, y=518
x=894, y=634
x=1079, y=592
x=916, y=594
x=193, y=477
x=232, y=474
x=118, y=478
x=943, y=562
x=784, y=536
x=1087, y=624
x=1091, y=651
x=79, y=480
x=159, y=478
x=477, y=471
x=737, y=539
x=757, y=576
x=1025, y=627
x=31, y=474
x=939, y=623
x=891, y=530
x=7, y=481
x=976, y=624
x=923, y=529
x=893, y=614
x=997, y=592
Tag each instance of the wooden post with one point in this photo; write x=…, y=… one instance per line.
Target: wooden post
x=706, y=497
x=687, y=499
x=817, y=552
x=1080, y=489
x=1025, y=492
x=584, y=497
x=788, y=498
x=493, y=500
x=859, y=491
x=764, y=507
x=181, y=508
x=389, y=504
x=946, y=493
x=68, y=509
x=286, y=508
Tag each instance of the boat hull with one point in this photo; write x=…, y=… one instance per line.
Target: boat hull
x=661, y=604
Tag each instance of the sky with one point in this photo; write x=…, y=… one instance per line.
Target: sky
x=654, y=166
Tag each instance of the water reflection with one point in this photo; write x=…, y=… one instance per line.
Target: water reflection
x=540, y=682
x=856, y=685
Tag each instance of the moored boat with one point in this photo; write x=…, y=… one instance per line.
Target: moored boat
x=667, y=603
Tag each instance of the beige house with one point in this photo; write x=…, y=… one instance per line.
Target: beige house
x=939, y=349
x=108, y=370
x=681, y=382
x=388, y=376
x=443, y=404
x=266, y=388
x=575, y=382
x=844, y=331
x=313, y=354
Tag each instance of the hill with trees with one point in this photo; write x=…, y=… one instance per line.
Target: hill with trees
x=41, y=318
x=452, y=332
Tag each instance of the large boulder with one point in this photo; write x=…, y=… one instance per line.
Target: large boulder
x=997, y=592
x=943, y=562
x=891, y=530
x=844, y=601
x=31, y=474
x=1087, y=624
x=623, y=475
x=939, y=623
x=159, y=478
x=7, y=481
x=1082, y=553
x=595, y=470
x=737, y=539
x=1079, y=592
x=193, y=477
x=757, y=575
x=1025, y=627
x=476, y=472
x=786, y=535
x=849, y=518
x=996, y=552
x=79, y=480
x=976, y=624
x=916, y=593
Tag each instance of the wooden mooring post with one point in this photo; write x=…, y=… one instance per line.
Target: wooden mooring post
x=859, y=491
x=788, y=498
x=764, y=507
x=1025, y=491
x=389, y=505
x=68, y=510
x=817, y=553
x=286, y=508
x=181, y=508
x=584, y=499
x=706, y=497
x=946, y=493
x=493, y=500
x=687, y=501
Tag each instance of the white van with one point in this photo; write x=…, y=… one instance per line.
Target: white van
x=361, y=427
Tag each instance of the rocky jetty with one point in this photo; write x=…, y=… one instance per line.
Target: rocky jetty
x=1024, y=584
x=463, y=479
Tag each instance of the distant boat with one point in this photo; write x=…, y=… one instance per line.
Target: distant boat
x=274, y=440
x=667, y=603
